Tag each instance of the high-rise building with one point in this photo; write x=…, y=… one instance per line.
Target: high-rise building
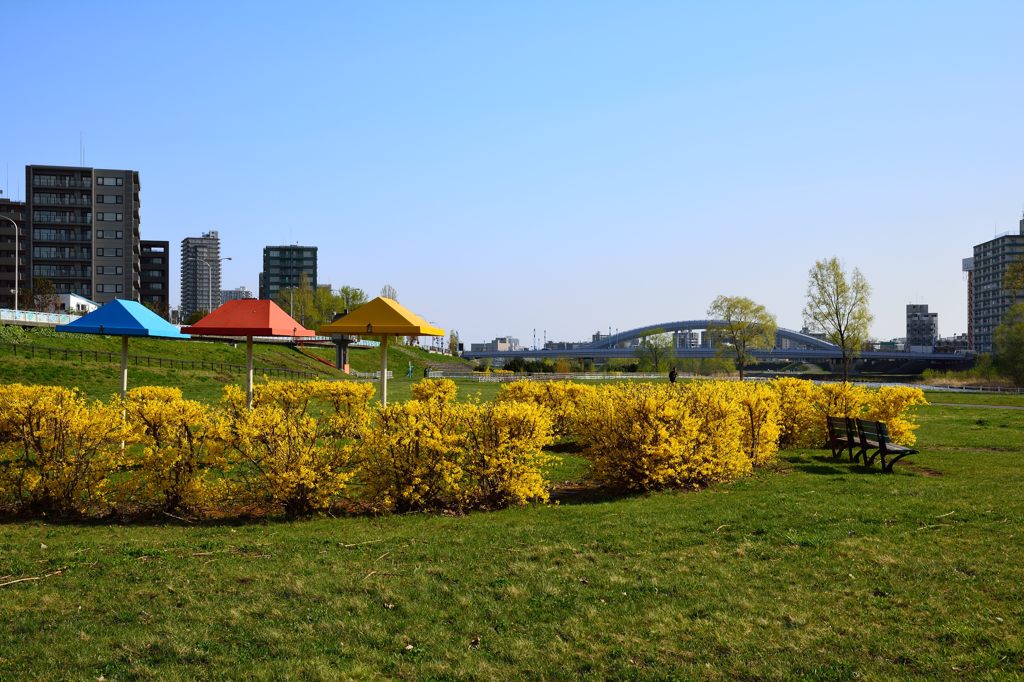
x=155, y=264
x=83, y=227
x=12, y=212
x=922, y=327
x=236, y=294
x=989, y=299
x=200, y=273
x=284, y=266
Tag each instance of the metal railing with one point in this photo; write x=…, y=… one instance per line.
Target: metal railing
x=9, y=315
x=499, y=377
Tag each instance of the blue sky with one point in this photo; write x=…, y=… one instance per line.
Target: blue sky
x=566, y=167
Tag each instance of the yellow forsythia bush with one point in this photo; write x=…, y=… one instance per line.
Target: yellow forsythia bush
x=183, y=445
x=411, y=456
x=800, y=423
x=646, y=436
x=442, y=390
x=285, y=455
x=57, y=451
x=759, y=405
x=504, y=454
x=841, y=399
x=431, y=453
x=560, y=398
x=891, y=404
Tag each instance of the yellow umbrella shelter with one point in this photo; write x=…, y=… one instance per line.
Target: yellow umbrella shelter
x=383, y=317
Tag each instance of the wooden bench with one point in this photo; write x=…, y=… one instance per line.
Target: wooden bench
x=842, y=435
x=874, y=435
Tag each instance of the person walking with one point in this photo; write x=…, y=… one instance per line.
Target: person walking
x=673, y=375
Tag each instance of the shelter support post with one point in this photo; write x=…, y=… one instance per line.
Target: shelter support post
x=384, y=370
x=124, y=367
x=248, y=371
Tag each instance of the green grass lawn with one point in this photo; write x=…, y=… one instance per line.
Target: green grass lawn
x=813, y=569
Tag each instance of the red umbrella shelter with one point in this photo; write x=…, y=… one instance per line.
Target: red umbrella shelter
x=248, y=318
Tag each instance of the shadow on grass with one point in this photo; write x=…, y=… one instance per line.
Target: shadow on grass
x=589, y=493
x=826, y=465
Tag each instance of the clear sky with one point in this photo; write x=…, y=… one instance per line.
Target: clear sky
x=559, y=166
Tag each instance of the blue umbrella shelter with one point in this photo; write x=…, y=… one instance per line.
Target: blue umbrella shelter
x=124, y=319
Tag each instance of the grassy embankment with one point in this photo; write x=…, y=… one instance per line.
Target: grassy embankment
x=100, y=378
x=814, y=568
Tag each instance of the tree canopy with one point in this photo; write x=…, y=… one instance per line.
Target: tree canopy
x=1008, y=341
x=838, y=306
x=314, y=308
x=655, y=352
x=745, y=325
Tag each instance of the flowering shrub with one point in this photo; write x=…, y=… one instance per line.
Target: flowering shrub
x=286, y=455
x=761, y=418
x=411, y=456
x=442, y=390
x=181, y=441
x=800, y=424
x=57, y=451
x=560, y=398
x=841, y=399
x=891, y=404
x=644, y=436
x=302, y=444
x=504, y=454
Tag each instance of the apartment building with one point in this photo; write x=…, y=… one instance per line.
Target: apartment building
x=12, y=224
x=200, y=273
x=155, y=266
x=284, y=266
x=83, y=226
x=988, y=299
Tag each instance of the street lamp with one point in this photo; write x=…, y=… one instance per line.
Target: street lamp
x=16, y=259
x=209, y=268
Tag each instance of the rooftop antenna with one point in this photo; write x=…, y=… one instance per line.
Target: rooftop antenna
x=81, y=149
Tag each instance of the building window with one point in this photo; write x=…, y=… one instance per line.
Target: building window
x=109, y=182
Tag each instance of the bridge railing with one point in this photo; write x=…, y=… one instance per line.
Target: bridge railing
x=36, y=317
x=493, y=377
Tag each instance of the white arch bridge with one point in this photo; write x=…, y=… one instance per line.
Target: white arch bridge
x=789, y=346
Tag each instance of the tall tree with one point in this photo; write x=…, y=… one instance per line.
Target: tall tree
x=352, y=298
x=1008, y=342
x=1013, y=278
x=388, y=291
x=838, y=306
x=745, y=325
x=43, y=296
x=298, y=302
x=655, y=351
x=453, y=343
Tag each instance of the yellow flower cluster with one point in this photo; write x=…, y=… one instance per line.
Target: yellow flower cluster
x=285, y=454
x=302, y=445
x=182, y=443
x=647, y=436
x=431, y=453
x=804, y=406
x=57, y=451
x=560, y=398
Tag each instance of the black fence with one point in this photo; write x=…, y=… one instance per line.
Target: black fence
x=81, y=355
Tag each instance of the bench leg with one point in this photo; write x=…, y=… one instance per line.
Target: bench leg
x=888, y=466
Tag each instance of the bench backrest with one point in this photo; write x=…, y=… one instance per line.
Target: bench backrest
x=873, y=430
x=839, y=427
